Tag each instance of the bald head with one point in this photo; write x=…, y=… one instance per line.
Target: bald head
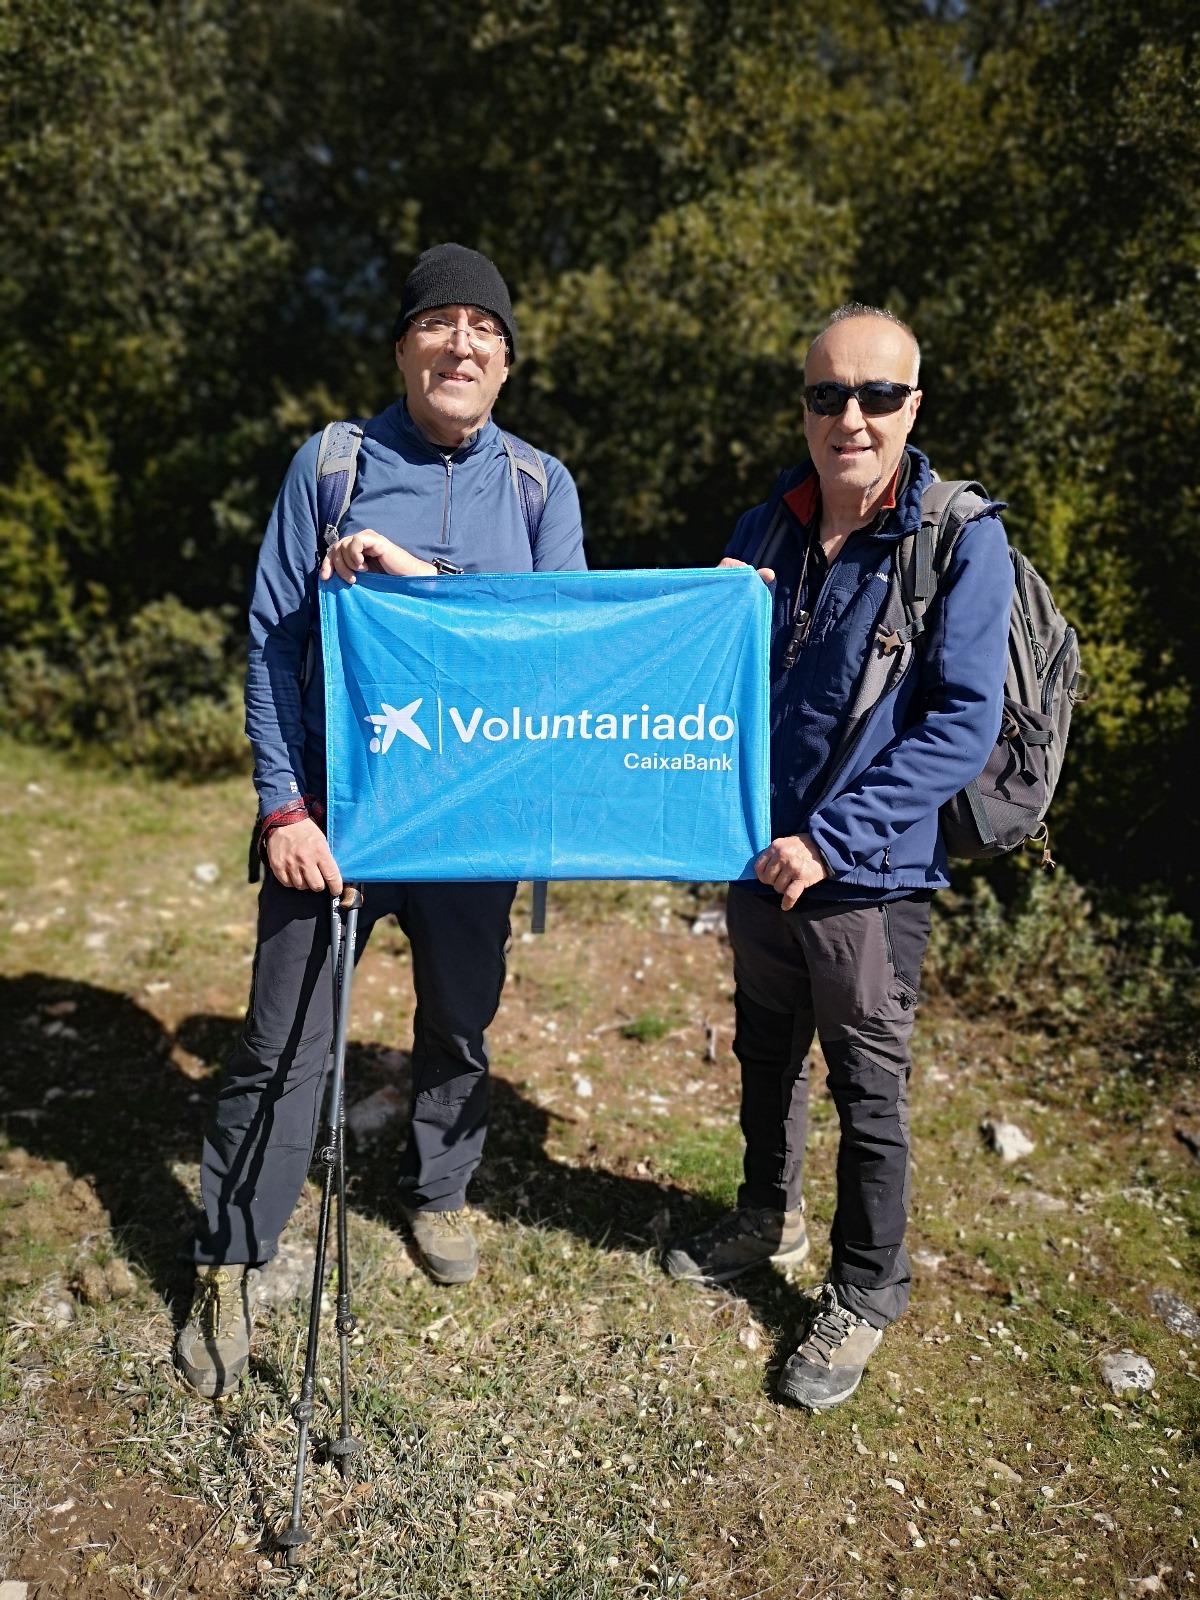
x=870, y=328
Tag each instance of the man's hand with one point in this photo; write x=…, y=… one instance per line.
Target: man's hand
x=767, y=574
x=791, y=866
x=300, y=858
x=369, y=551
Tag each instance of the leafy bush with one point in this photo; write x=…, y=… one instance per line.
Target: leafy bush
x=1051, y=959
x=164, y=694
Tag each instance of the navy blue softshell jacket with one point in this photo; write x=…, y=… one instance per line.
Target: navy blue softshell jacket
x=459, y=504
x=875, y=821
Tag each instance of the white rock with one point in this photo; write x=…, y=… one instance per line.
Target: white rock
x=1150, y=1585
x=1008, y=1141
x=895, y=1483
x=750, y=1337
x=582, y=1086
x=927, y=1260
x=206, y=872
x=287, y=1276
x=367, y=1118
x=1126, y=1370
x=14, y=1588
x=1105, y=1521
x=1176, y=1313
x=711, y=921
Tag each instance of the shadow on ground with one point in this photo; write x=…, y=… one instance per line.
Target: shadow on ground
x=91, y=1079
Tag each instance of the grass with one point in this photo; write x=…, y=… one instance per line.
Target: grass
x=571, y=1424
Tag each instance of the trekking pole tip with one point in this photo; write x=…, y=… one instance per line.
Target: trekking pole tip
x=290, y=1539
x=341, y=1452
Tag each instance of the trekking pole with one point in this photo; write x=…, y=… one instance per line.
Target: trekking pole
x=333, y=1159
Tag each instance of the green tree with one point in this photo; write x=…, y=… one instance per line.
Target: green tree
x=134, y=274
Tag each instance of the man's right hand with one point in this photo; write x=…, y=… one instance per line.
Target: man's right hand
x=369, y=551
x=300, y=858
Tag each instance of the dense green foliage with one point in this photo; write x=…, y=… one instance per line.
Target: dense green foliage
x=207, y=211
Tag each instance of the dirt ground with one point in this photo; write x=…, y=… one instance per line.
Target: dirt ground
x=571, y=1423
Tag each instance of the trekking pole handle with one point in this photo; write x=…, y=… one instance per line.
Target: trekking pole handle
x=351, y=898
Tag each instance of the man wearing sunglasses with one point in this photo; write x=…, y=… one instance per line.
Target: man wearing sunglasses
x=435, y=493
x=830, y=938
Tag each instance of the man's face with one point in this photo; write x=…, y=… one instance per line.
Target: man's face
x=852, y=452
x=451, y=386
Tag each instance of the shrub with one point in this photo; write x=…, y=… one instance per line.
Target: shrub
x=164, y=693
x=1051, y=959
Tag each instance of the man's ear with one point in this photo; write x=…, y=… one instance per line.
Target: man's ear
x=914, y=401
x=399, y=351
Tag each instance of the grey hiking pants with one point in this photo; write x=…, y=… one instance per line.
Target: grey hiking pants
x=850, y=975
x=260, y=1142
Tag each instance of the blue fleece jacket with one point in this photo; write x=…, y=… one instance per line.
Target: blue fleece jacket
x=876, y=820
x=457, y=504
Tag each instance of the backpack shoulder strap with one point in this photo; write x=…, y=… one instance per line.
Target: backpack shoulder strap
x=528, y=473
x=920, y=559
x=923, y=555
x=337, y=464
x=771, y=541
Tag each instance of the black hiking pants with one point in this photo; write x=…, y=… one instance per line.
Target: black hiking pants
x=260, y=1142
x=850, y=975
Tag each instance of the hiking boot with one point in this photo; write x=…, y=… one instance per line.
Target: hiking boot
x=212, y=1348
x=744, y=1239
x=828, y=1366
x=445, y=1244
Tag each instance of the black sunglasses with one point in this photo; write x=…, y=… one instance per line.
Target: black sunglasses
x=875, y=399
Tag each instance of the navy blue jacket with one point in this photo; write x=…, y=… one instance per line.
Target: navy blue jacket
x=875, y=821
x=457, y=504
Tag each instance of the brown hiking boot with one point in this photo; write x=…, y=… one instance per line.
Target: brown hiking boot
x=746, y=1238
x=445, y=1244
x=212, y=1348
x=828, y=1366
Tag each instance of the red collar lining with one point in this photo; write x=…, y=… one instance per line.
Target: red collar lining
x=805, y=499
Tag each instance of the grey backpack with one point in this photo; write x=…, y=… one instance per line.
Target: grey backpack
x=1005, y=807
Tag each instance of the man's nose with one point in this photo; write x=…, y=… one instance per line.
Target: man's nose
x=851, y=418
x=459, y=338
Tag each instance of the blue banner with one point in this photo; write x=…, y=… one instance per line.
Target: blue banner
x=547, y=725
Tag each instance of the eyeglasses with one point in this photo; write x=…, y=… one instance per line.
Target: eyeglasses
x=485, y=338
x=875, y=399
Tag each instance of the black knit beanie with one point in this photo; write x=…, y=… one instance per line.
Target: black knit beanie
x=452, y=275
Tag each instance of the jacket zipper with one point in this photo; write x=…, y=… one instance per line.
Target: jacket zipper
x=446, y=502
x=1055, y=667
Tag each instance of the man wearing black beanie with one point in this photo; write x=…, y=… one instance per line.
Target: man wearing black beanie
x=438, y=489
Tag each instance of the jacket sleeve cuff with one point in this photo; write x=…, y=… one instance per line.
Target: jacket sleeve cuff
x=830, y=848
